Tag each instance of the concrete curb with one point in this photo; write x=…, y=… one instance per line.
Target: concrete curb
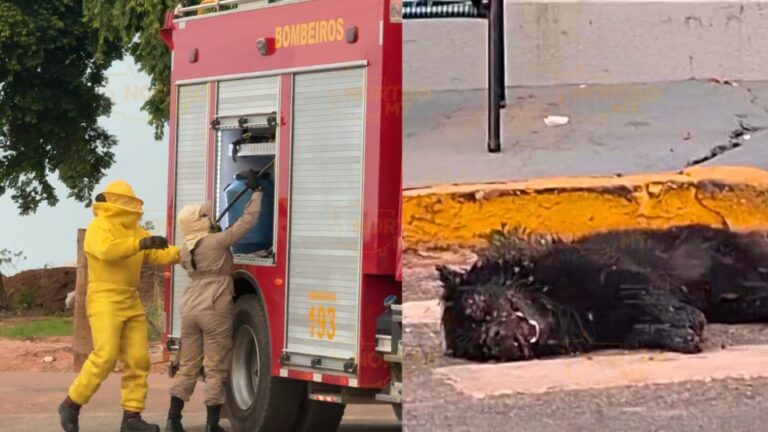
x=604, y=370
x=459, y=215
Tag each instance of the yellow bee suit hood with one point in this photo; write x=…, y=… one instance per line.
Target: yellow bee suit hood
x=193, y=223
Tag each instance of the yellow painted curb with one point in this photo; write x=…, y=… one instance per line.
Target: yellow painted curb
x=458, y=215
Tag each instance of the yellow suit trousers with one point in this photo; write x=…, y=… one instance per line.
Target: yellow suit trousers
x=116, y=336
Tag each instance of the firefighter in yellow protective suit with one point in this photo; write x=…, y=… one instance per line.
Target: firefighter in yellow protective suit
x=116, y=248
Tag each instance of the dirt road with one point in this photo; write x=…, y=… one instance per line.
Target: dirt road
x=724, y=388
x=28, y=403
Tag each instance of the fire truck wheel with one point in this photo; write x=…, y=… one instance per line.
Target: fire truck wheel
x=315, y=416
x=257, y=400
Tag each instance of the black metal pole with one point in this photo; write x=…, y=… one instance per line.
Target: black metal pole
x=502, y=56
x=496, y=99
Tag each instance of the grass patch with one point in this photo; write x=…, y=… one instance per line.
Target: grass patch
x=43, y=328
x=25, y=298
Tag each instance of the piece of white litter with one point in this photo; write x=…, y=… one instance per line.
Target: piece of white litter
x=48, y=359
x=747, y=137
x=556, y=120
x=583, y=86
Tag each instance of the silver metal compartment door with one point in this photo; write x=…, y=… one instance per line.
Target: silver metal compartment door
x=191, y=152
x=325, y=211
x=239, y=98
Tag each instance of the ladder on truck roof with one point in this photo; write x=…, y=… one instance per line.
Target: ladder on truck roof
x=493, y=11
x=206, y=6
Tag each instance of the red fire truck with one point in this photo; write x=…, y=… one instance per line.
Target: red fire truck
x=309, y=91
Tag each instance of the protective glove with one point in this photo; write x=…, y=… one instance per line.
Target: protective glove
x=153, y=242
x=215, y=227
x=253, y=180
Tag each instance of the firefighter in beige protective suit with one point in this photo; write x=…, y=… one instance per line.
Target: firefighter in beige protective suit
x=116, y=248
x=206, y=306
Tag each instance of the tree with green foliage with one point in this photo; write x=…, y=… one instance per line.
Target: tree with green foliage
x=135, y=25
x=52, y=71
x=8, y=260
x=53, y=59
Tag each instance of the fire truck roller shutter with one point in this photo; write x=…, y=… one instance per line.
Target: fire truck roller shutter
x=244, y=97
x=325, y=215
x=191, y=145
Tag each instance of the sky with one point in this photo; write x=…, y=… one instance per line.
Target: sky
x=49, y=237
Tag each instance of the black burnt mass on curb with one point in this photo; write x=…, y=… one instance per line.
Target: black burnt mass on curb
x=531, y=296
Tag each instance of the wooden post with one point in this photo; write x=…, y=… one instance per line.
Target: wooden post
x=3, y=296
x=82, y=343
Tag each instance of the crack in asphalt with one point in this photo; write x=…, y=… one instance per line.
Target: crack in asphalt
x=737, y=136
x=736, y=139
x=755, y=98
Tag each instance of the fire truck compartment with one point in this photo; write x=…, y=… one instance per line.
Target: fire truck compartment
x=257, y=247
x=246, y=139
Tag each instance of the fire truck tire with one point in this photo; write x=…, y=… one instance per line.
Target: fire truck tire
x=257, y=400
x=316, y=416
x=398, y=411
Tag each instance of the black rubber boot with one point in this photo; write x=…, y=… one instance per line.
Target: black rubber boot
x=214, y=415
x=132, y=422
x=69, y=414
x=174, y=415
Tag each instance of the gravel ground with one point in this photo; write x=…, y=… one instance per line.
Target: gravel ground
x=420, y=280
x=424, y=344
x=28, y=355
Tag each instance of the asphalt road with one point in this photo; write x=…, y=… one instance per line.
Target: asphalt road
x=612, y=129
x=722, y=405
x=28, y=403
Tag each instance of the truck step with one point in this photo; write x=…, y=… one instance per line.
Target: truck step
x=391, y=358
x=392, y=394
x=388, y=347
x=387, y=398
